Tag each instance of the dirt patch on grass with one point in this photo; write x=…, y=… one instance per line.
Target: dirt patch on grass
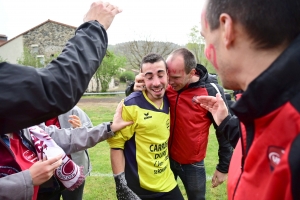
x=114, y=99
x=95, y=102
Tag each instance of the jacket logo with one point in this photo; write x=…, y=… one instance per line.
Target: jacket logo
x=147, y=115
x=274, y=155
x=30, y=156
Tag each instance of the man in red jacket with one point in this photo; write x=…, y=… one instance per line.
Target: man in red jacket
x=254, y=46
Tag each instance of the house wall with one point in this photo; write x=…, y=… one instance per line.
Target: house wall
x=50, y=38
x=13, y=50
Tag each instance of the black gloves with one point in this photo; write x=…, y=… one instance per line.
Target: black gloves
x=122, y=190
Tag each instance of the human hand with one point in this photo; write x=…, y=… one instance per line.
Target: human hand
x=122, y=190
x=74, y=121
x=215, y=105
x=139, y=84
x=118, y=122
x=43, y=170
x=103, y=12
x=218, y=178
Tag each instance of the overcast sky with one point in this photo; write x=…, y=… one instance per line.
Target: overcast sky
x=162, y=20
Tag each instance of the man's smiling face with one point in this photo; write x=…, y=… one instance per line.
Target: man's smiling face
x=156, y=80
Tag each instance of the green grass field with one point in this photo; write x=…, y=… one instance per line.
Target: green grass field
x=100, y=185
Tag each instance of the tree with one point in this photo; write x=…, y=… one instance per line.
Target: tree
x=28, y=58
x=197, y=46
x=127, y=76
x=134, y=51
x=108, y=68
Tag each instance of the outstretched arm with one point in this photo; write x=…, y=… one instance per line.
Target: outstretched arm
x=81, y=138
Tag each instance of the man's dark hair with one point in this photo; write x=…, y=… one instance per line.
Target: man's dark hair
x=188, y=57
x=269, y=23
x=152, y=58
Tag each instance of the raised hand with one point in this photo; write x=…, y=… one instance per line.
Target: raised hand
x=103, y=12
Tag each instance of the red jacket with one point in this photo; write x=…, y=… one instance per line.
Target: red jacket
x=268, y=160
x=190, y=123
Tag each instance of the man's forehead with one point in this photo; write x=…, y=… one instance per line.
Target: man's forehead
x=176, y=72
x=157, y=71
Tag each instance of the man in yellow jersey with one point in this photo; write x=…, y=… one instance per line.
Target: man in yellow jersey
x=139, y=152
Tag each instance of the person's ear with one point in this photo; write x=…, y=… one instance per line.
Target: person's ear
x=192, y=72
x=228, y=34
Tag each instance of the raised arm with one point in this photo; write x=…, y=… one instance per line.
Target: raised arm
x=30, y=96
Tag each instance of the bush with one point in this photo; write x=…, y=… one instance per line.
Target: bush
x=127, y=76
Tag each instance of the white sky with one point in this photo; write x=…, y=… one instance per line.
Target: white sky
x=162, y=20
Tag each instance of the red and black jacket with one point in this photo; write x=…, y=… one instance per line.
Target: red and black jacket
x=266, y=163
x=190, y=123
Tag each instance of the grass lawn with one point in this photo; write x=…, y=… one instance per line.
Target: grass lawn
x=100, y=185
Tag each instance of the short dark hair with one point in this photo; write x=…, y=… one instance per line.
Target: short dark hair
x=188, y=57
x=152, y=58
x=269, y=23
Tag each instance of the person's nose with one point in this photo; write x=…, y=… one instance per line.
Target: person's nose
x=156, y=81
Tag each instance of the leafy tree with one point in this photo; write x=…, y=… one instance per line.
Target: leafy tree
x=196, y=45
x=127, y=76
x=28, y=59
x=135, y=50
x=108, y=68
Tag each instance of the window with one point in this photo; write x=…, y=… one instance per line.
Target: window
x=34, y=48
x=40, y=60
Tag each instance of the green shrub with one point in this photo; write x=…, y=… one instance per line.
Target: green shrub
x=127, y=76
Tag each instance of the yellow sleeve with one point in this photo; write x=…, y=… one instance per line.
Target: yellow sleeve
x=120, y=137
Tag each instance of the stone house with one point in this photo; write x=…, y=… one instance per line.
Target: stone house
x=44, y=40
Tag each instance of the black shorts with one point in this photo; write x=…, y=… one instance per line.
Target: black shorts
x=174, y=194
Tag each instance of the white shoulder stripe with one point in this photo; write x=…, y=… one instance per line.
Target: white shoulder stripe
x=215, y=86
